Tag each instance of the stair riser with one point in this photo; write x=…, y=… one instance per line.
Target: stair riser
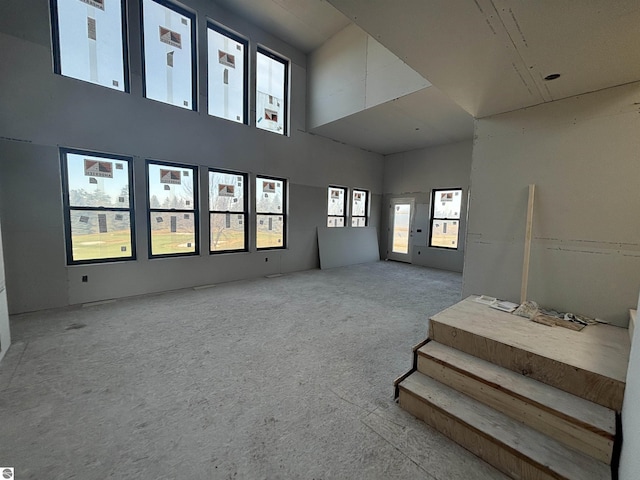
x=492, y=452
x=599, y=446
x=588, y=385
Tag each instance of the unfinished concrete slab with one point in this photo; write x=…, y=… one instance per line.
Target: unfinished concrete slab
x=286, y=377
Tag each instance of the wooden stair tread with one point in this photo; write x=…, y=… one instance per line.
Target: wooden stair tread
x=591, y=364
x=590, y=415
x=602, y=349
x=544, y=453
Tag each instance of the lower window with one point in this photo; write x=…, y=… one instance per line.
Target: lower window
x=359, y=208
x=336, y=206
x=98, y=204
x=227, y=211
x=445, y=218
x=271, y=220
x=173, y=212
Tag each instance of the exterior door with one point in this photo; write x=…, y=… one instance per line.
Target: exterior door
x=400, y=229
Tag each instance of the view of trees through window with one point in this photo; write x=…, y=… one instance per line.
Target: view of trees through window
x=227, y=211
x=98, y=206
x=172, y=209
x=270, y=212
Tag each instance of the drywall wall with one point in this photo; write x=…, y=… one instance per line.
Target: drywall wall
x=352, y=72
x=582, y=155
x=5, y=333
x=43, y=111
x=414, y=175
x=629, y=459
x=340, y=247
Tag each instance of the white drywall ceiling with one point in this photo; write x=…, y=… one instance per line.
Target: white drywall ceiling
x=305, y=24
x=491, y=56
x=387, y=128
x=422, y=119
x=488, y=56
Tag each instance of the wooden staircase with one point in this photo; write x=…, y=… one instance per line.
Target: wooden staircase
x=536, y=402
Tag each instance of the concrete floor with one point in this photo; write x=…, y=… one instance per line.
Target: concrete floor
x=288, y=377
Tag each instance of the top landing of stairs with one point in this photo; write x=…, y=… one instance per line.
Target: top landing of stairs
x=591, y=363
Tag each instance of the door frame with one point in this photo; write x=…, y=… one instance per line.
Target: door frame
x=400, y=257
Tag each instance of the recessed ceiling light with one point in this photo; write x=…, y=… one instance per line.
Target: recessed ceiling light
x=552, y=76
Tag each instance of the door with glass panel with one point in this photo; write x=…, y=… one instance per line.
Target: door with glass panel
x=400, y=219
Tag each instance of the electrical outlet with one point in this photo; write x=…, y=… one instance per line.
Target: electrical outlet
x=85, y=278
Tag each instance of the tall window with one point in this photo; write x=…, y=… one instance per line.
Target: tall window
x=445, y=218
x=336, y=207
x=89, y=41
x=271, y=202
x=169, y=66
x=272, y=78
x=98, y=205
x=359, y=208
x=228, y=74
x=173, y=210
x=228, y=202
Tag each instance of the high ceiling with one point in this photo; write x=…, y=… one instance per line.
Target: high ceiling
x=487, y=56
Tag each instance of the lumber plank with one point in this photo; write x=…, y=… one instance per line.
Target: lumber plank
x=577, y=423
x=591, y=364
x=527, y=245
x=510, y=446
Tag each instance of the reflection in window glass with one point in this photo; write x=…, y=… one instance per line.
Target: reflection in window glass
x=270, y=210
x=227, y=77
x=336, y=206
x=89, y=42
x=173, y=212
x=98, y=207
x=445, y=218
x=227, y=211
x=271, y=92
x=359, y=208
x=169, y=53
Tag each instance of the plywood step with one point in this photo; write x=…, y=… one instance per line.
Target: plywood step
x=577, y=423
x=512, y=447
x=591, y=364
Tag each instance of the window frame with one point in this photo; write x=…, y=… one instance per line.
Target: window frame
x=68, y=208
x=285, y=108
x=233, y=36
x=284, y=214
x=57, y=50
x=345, y=197
x=195, y=211
x=433, y=219
x=244, y=213
x=194, y=51
x=366, y=207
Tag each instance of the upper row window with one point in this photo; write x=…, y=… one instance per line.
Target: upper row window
x=89, y=39
x=169, y=37
x=228, y=76
x=271, y=88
